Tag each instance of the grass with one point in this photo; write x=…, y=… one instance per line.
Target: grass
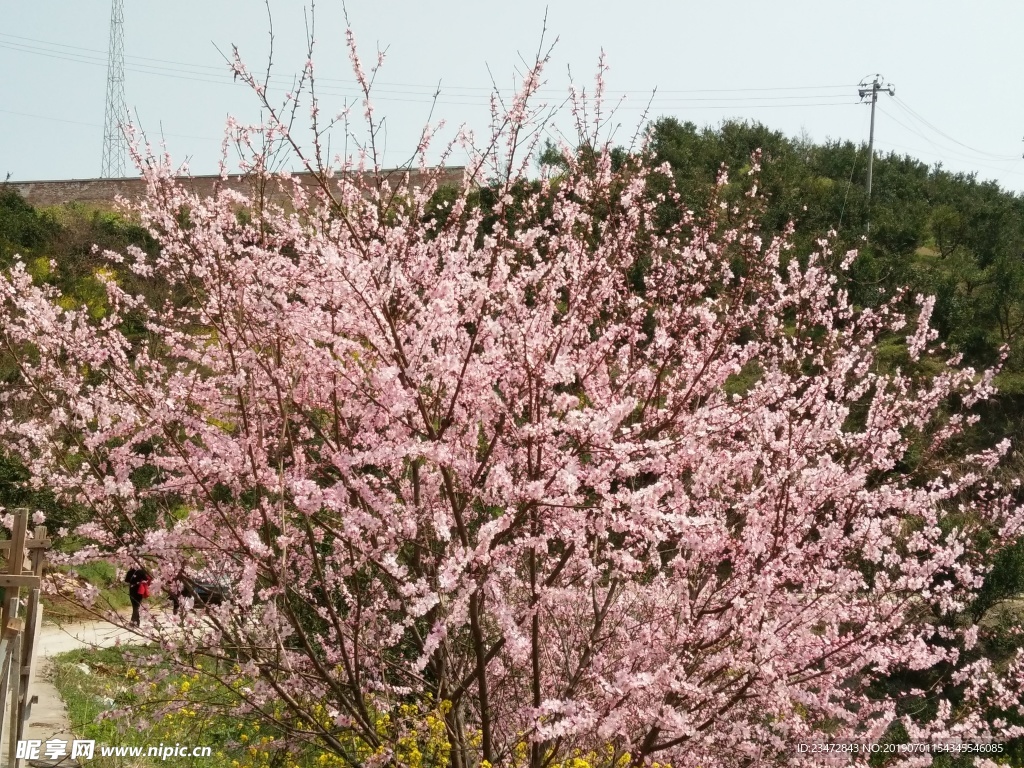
x=113, y=704
x=131, y=697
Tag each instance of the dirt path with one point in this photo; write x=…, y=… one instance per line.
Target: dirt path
x=48, y=718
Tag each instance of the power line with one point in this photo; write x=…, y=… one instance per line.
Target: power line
x=944, y=153
x=921, y=153
x=91, y=52
x=53, y=119
x=221, y=73
x=50, y=118
x=849, y=185
x=915, y=116
x=939, y=149
x=381, y=93
x=97, y=61
x=739, y=105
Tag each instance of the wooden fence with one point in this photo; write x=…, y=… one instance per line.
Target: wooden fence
x=20, y=619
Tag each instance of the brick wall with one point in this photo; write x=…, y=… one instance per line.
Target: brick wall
x=102, y=193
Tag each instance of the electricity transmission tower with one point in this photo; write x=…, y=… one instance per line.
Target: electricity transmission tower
x=112, y=165
x=871, y=89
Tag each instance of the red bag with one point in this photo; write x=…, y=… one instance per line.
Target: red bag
x=143, y=589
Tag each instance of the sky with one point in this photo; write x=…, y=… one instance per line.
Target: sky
x=793, y=65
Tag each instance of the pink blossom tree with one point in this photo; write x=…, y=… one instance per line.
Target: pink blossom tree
x=553, y=479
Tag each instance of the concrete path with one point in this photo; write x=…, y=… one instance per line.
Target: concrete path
x=48, y=718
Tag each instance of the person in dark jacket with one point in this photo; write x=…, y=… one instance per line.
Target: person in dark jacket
x=134, y=578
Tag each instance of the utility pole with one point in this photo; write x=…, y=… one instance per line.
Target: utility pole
x=112, y=162
x=877, y=84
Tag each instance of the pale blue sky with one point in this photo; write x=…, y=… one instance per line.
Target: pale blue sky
x=791, y=64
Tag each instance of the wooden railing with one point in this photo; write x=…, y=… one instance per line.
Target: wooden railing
x=20, y=621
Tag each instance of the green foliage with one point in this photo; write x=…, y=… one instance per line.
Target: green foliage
x=934, y=232
x=132, y=696
x=115, y=682
x=16, y=491
x=1004, y=582
x=938, y=233
x=22, y=228
x=742, y=382
x=64, y=247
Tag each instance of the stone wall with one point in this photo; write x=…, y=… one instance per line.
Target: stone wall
x=102, y=193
